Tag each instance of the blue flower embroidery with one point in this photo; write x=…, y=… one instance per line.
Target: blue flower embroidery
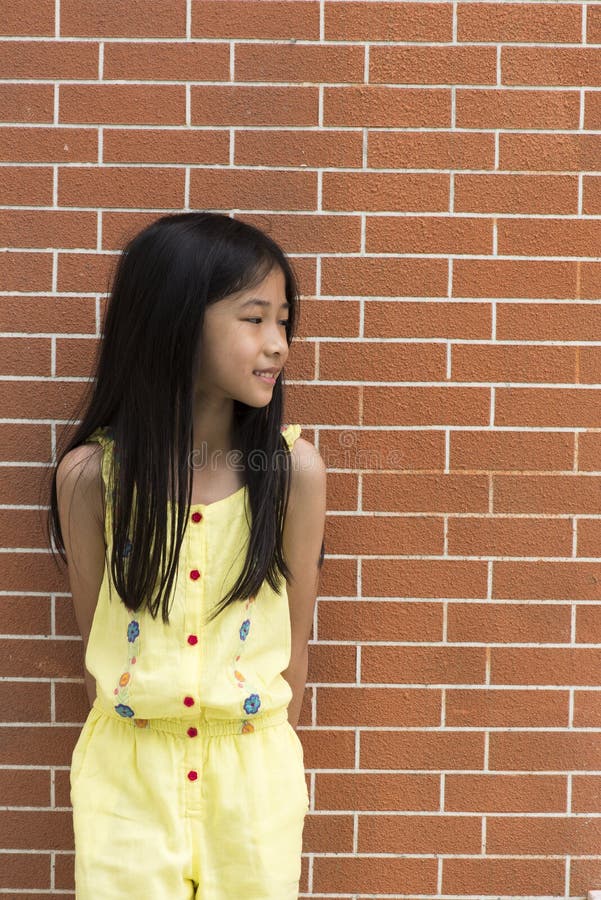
x=128, y=546
x=252, y=703
x=121, y=691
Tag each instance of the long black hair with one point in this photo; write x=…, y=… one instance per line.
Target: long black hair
x=142, y=393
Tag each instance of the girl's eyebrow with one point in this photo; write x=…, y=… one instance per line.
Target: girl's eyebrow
x=256, y=301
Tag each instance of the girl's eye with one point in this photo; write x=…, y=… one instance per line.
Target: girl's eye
x=257, y=319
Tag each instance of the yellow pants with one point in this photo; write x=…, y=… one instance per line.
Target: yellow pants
x=172, y=809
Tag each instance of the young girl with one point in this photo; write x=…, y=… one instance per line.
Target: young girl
x=191, y=521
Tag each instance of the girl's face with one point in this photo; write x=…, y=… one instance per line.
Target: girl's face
x=242, y=334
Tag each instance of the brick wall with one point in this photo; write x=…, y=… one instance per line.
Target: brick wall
x=433, y=170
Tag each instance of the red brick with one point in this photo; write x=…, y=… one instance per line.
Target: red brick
x=426, y=493
x=95, y=19
x=370, y=620
x=392, y=107
x=505, y=876
x=588, y=622
x=274, y=190
x=432, y=149
x=514, y=278
x=384, y=277
x=579, y=66
x=489, y=708
x=589, y=537
x=379, y=449
x=592, y=109
x=593, y=25
x=388, y=21
x=519, y=22
x=502, y=363
x=591, y=194
x=428, y=234
x=298, y=63
x=432, y=835
x=427, y=320
x=506, y=451
x=498, y=108
x=48, y=60
x=286, y=19
x=509, y=623
x=349, y=362
x=548, y=152
x=586, y=794
x=553, y=407
x=550, y=581
x=547, y=237
x=588, y=362
x=160, y=61
x=26, y=102
x=432, y=65
x=435, y=578
x=549, y=835
x=547, y=321
x=26, y=355
x=253, y=105
x=487, y=536
x=423, y=665
x=425, y=405
x=22, y=20
x=583, y=873
x=376, y=191
x=543, y=751
x=544, y=493
x=529, y=194
x=301, y=147
x=589, y=445
x=141, y=104
x=414, y=535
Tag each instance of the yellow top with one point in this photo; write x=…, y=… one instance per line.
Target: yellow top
x=228, y=668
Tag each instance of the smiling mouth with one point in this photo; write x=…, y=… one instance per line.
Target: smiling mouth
x=266, y=377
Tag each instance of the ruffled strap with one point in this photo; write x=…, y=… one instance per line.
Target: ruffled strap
x=290, y=433
x=104, y=437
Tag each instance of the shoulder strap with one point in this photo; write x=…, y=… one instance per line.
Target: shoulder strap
x=104, y=437
x=290, y=433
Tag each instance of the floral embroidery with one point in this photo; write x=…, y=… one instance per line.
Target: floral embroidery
x=252, y=700
x=122, y=690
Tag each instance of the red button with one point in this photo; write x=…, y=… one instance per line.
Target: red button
x=192, y=639
x=194, y=574
x=192, y=775
x=192, y=732
x=196, y=516
x=189, y=701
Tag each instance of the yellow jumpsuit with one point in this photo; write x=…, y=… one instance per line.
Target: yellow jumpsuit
x=187, y=780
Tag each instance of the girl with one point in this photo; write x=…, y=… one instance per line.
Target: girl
x=191, y=521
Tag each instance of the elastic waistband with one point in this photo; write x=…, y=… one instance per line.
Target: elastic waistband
x=201, y=724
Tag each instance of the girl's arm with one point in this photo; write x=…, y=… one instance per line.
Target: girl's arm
x=79, y=493
x=302, y=539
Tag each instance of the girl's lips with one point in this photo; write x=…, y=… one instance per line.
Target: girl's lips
x=268, y=379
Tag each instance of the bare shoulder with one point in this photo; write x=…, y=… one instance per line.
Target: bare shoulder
x=308, y=469
x=307, y=501
x=79, y=480
x=303, y=539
